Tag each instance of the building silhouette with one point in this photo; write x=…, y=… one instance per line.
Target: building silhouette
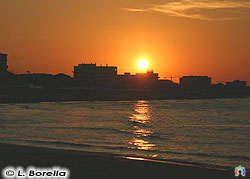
x=3, y=62
x=139, y=80
x=6, y=77
x=200, y=82
x=92, y=82
x=41, y=79
x=236, y=84
x=92, y=75
x=166, y=84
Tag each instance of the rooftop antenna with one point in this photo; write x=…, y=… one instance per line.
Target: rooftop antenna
x=171, y=77
x=16, y=68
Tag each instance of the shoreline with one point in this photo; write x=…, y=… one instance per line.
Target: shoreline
x=26, y=95
x=100, y=165
x=16, y=101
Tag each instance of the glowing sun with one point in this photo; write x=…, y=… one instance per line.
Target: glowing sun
x=142, y=64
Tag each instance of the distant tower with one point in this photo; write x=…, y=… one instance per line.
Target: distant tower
x=3, y=62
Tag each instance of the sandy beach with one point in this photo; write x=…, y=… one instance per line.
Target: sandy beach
x=98, y=165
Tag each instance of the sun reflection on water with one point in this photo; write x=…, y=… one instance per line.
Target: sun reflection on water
x=141, y=144
x=142, y=132
x=141, y=112
x=141, y=126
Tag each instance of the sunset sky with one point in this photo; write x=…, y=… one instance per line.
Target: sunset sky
x=177, y=37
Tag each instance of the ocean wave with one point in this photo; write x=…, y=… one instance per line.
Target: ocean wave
x=123, y=148
x=162, y=155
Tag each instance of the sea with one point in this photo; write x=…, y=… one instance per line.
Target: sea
x=205, y=132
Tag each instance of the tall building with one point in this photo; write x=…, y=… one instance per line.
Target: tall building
x=92, y=75
x=3, y=62
x=195, y=82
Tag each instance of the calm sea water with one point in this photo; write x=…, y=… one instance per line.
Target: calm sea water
x=212, y=132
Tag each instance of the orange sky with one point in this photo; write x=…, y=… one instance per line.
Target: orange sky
x=184, y=37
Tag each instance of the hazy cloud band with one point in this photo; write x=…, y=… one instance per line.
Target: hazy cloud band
x=202, y=9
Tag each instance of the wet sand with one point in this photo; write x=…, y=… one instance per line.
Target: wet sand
x=89, y=165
